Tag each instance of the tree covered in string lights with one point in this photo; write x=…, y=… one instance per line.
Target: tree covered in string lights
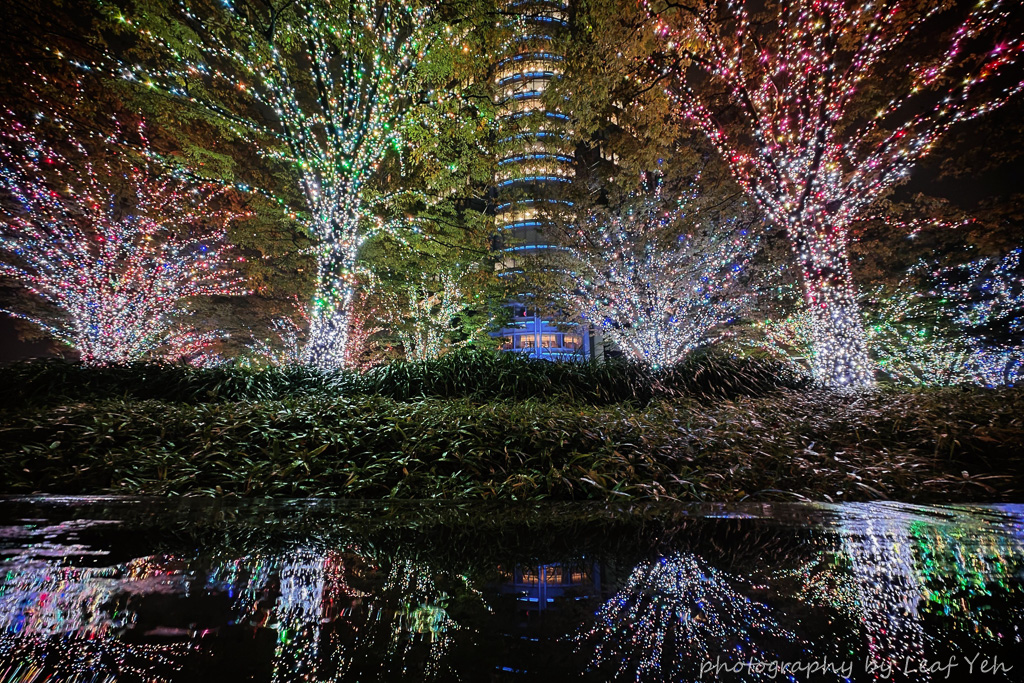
x=115, y=246
x=940, y=326
x=423, y=315
x=321, y=85
x=657, y=275
x=952, y=324
x=283, y=343
x=783, y=100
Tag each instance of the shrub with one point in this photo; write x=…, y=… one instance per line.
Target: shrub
x=476, y=375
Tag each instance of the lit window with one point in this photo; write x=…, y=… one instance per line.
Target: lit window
x=549, y=341
x=552, y=575
x=525, y=341
x=506, y=343
x=572, y=341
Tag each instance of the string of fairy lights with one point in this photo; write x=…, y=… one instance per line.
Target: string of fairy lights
x=118, y=253
x=422, y=316
x=787, y=143
x=658, y=277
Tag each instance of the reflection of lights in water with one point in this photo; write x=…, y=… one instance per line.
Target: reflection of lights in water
x=43, y=599
x=908, y=578
x=674, y=614
x=966, y=569
x=888, y=588
x=62, y=623
x=412, y=609
x=893, y=565
x=299, y=613
x=826, y=580
x=327, y=629
x=245, y=580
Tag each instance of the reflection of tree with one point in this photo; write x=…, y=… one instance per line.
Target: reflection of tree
x=65, y=623
x=887, y=584
x=892, y=569
x=329, y=629
x=299, y=613
x=410, y=615
x=969, y=578
x=825, y=580
x=675, y=614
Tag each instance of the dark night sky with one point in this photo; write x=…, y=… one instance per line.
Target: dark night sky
x=12, y=348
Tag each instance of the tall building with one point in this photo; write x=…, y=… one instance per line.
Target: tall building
x=536, y=162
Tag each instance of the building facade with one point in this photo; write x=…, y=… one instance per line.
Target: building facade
x=536, y=162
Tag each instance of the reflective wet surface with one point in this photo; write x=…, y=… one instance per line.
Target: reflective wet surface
x=95, y=589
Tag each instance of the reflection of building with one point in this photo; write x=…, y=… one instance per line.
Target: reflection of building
x=538, y=587
x=536, y=160
x=538, y=604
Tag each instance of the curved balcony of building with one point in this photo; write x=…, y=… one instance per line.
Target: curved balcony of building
x=540, y=22
x=535, y=202
x=539, y=119
x=528, y=253
x=537, y=139
x=534, y=212
x=530, y=161
x=520, y=182
x=527, y=61
x=550, y=11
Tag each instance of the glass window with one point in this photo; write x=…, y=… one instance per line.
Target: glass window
x=549, y=341
x=578, y=575
x=553, y=574
x=526, y=341
x=572, y=341
x=506, y=343
x=529, y=576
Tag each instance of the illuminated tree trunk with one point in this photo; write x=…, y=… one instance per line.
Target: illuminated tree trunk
x=837, y=330
x=330, y=315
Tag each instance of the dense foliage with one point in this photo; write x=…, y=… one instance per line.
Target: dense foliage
x=475, y=424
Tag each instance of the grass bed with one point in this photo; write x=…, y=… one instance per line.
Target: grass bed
x=934, y=445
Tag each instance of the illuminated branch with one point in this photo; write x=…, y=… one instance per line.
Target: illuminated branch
x=423, y=317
